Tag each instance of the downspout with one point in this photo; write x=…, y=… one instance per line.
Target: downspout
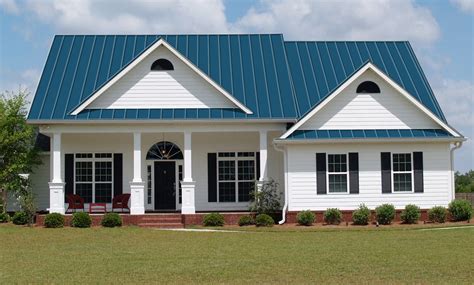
x=453, y=190
x=285, y=167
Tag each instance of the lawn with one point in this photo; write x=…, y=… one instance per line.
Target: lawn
x=279, y=255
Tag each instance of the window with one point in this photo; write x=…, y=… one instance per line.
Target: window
x=164, y=150
x=368, y=87
x=236, y=176
x=402, y=172
x=161, y=65
x=337, y=173
x=93, y=177
x=180, y=179
x=148, y=184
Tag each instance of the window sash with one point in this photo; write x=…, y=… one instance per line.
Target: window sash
x=402, y=180
x=238, y=184
x=97, y=184
x=340, y=168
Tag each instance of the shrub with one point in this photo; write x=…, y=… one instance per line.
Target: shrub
x=385, y=214
x=213, y=220
x=111, y=220
x=246, y=220
x=4, y=218
x=437, y=214
x=361, y=216
x=305, y=218
x=333, y=216
x=20, y=218
x=460, y=210
x=54, y=220
x=28, y=205
x=81, y=220
x=267, y=200
x=411, y=214
x=264, y=220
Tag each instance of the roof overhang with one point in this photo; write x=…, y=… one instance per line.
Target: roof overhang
x=374, y=140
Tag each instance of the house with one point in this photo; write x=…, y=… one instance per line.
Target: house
x=191, y=123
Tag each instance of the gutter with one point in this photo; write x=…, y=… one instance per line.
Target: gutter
x=285, y=169
x=453, y=190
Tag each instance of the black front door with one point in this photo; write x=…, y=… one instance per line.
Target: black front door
x=165, y=188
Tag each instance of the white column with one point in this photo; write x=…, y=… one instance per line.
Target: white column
x=263, y=159
x=56, y=186
x=188, y=185
x=137, y=186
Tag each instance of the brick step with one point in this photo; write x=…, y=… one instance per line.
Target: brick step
x=162, y=225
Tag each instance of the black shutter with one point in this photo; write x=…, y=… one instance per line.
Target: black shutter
x=118, y=174
x=353, y=173
x=321, y=173
x=418, y=171
x=69, y=174
x=258, y=165
x=212, y=177
x=386, y=167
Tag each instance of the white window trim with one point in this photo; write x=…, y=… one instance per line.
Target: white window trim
x=402, y=172
x=329, y=173
x=93, y=159
x=236, y=159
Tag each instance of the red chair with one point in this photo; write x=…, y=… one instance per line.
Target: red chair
x=121, y=202
x=75, y=202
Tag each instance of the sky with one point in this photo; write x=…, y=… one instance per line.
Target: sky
x=441, y=33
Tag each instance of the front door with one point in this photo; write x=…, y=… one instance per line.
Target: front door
x=165, y=187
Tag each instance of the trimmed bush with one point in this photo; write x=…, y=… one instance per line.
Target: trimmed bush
x=333, y=216
x=20, y=218
x=213, y=220
x=411, y=214
x=4, y=218
x=361, y=216
x=460, y=210
x=385, y=214
x=264, y=220
x=111, y=220
x=246, y=221
x=437, y=214
x=54, y=220
x=305, y=218
x=81, y=220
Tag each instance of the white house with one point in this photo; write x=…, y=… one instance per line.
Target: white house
x=190, y=123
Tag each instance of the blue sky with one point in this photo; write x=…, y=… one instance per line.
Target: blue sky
x=441, y=33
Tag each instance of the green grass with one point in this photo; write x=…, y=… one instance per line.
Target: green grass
x=268, y=256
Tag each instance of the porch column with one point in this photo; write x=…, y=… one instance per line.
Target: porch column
x=263, y=159
x=56, y=186
x=188, y=185
x=137, y=186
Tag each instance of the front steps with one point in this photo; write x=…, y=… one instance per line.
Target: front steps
x=167, y=221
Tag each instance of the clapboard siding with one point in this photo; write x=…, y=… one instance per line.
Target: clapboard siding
x=302, y=177
x=179, y=88
x=387, y=110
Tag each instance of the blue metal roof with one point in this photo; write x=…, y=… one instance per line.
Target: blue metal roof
x=367, y=134
x=273, y=78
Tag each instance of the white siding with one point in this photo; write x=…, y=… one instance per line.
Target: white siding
x=179, y=88
x=387, y=110
x=302, y=177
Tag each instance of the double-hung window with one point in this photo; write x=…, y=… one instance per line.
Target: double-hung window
x=93, y=177
x=236, y=176
x=337, y=173
x=402, y=172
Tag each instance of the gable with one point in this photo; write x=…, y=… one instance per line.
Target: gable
x=385, y=110
x=142, y=88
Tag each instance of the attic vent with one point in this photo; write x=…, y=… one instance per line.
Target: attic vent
x=368, y=87
x=162, y=64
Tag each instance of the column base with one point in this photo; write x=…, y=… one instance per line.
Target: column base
x=260, y=185
x=56, y=197
x=188, y=189
x=137, y=198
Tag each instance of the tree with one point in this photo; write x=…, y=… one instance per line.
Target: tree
x=17, y=144
x=464, y=182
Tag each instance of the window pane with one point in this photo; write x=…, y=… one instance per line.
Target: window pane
x=246, y=169
x=83, y=171
x=148, y=181
x=402, y=162
x=245, y=188
x=103, y=171
x=83, y=155
x=226, y=192
x=226, y=170
x=103, y=192
x=337, y=163
x=226, y=154
x=85, y=191
x=246, y=154
x=337, y=183
x=103, y=155
x=401, y=182
x=180, y=178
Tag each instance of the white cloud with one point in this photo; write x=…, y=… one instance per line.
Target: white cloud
x=343, y=20
x=464, y=5
x=10, y=6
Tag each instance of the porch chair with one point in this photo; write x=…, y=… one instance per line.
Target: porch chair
x=121, y=202
x=75, y=202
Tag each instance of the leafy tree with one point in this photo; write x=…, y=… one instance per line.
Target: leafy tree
x=17, y=145
x=464, y=182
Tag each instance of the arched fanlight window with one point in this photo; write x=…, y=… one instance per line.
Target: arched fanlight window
x=368, y=87
x=162, y=64
x=164, y=150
